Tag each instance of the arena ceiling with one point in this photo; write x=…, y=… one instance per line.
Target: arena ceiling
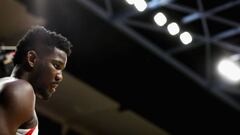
x=124, y=55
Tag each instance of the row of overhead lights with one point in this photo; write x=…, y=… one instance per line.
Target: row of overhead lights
x=228, y=68
x=161, y=20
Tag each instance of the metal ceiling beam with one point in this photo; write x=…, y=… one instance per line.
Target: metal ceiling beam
x=145, y=43
x=209, y=15
x=228, y=46
x=185, y=9
x=190, y=18
x=157, y=51
x=227, y=34
x=206, y=32
x=109, y=7
x=153, y=4
x=198, y=15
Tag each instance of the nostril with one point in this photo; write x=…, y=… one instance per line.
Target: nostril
x=59, y=77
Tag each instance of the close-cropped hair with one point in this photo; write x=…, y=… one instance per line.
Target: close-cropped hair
x=38, y=35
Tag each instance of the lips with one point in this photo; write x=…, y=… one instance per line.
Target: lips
x=53, y=87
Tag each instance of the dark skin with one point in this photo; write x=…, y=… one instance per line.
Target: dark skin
x=38, y=76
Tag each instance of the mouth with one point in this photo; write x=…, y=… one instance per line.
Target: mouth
x=54, y=87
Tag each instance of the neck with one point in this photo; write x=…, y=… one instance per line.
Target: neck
x=20, y=73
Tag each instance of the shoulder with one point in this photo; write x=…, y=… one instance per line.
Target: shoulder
x=14, y=83
x=15, y=88
x=17, y=102
x=16, y=91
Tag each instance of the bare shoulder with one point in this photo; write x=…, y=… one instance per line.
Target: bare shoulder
x=15, y=84
x=17, y=103
x=14, y=90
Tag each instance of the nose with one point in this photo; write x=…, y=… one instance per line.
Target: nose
x=59, y=76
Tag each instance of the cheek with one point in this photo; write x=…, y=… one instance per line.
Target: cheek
x=49, y=74
x=46, y=73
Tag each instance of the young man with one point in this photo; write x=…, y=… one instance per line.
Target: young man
x=40, y=58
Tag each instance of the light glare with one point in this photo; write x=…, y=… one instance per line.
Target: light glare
x=186, y=38
x=173, y=28
x=140, y=5
x=160, y=19
x=229, y=70
x=130, y=2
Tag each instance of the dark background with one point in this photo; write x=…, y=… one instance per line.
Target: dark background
x=118, y=66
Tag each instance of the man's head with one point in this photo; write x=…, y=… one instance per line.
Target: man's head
x=43, y=54
x=38, y=37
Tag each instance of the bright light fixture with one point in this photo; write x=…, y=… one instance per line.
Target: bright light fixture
x=186, y=38
x=160, y=19
x=140, y=5
x=173, y=28
x=229, y=70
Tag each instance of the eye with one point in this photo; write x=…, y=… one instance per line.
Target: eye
x=56, y=66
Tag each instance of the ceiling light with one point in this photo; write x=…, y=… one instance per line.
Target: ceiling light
x=140, y=5
x=160, y=19
x=173, y=28
x=186, y=38
x=229, y=69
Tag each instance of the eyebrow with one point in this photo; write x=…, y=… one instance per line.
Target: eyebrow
x=59, y=62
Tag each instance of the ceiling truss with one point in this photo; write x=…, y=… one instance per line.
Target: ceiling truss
x=122, y=20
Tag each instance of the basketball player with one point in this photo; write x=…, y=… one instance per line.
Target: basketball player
x=39, y=60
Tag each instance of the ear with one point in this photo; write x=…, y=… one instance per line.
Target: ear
x=31, y=58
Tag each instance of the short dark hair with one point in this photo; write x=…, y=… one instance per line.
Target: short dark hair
x=39, y=34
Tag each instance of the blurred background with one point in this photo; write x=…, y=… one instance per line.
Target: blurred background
x=144, y=67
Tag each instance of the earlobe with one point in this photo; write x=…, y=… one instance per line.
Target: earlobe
x=31, y=58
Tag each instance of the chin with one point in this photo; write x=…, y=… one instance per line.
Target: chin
x=48, y=96
x=45, y=96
